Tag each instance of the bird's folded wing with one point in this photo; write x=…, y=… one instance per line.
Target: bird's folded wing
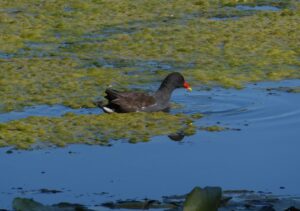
x=133, y=101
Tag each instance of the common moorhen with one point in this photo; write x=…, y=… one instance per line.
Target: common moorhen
x=124, y=102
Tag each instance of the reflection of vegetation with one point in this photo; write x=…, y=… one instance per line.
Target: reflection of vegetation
x=68, y=51
x=92, y=129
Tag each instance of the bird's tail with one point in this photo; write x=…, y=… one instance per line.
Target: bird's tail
x=104, y=107
x=99, y=103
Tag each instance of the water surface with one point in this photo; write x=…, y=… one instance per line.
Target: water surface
x=262, y=155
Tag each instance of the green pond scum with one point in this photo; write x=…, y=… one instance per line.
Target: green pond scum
x=100, y=129
x=214, y=128
x=68, y=51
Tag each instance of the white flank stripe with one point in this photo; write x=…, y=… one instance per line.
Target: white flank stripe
x=108, y=110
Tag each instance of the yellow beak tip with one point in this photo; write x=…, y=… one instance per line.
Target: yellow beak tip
x=190, y=89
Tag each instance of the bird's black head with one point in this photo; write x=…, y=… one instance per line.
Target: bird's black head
x=175, y=80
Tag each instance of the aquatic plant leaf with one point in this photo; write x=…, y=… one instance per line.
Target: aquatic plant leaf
x=24, y=204
x=207, y=199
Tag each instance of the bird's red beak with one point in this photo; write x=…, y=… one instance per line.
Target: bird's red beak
x=187, y=86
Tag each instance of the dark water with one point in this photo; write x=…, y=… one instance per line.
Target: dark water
x=263, y=155
x=247, y=11
x=258, y=8
x=45, y=110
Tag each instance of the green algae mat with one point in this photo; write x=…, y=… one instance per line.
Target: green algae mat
x=68, y=52
x=36, y=132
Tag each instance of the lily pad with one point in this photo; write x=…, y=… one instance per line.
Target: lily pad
x=206, y=199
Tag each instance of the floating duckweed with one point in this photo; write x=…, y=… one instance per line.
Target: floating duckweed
x=57, y=81
x=197, y=116
x=92, y=129
x=68, y=52
x=213, y=128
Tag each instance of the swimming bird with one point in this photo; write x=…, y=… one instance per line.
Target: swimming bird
x=125, y=102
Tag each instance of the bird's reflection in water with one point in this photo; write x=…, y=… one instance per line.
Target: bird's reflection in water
x=176, y=136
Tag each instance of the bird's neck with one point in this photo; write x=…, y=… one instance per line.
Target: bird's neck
x=164, y=92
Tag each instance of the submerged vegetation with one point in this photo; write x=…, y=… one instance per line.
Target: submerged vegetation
x=68, y=52
x=91, y=129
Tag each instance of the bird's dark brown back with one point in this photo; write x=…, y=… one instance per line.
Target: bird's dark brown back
x=129, y=101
